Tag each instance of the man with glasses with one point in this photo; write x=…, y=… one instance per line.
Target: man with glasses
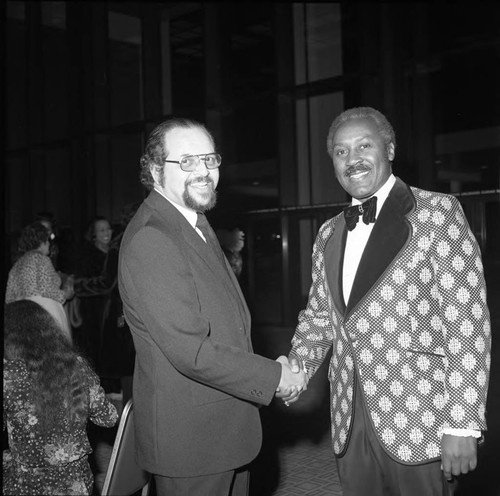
x=197, y=383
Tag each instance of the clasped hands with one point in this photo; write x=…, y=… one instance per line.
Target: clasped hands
x=293, y=379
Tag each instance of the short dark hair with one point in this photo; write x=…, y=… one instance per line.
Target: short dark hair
x=156, y=150
x=383, y=125
x=32, y=236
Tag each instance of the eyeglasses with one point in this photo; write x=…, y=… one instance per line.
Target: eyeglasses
x=189, y=163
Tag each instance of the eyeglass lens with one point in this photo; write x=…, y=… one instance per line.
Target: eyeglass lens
x=190, y=162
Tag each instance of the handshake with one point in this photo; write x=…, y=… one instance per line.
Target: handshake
x=293, y=379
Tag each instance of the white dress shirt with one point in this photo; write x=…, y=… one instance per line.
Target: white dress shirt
x=190, y=215
x=358, y=237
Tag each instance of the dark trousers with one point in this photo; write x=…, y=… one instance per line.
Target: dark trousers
x=231, y=483
x=366, y=469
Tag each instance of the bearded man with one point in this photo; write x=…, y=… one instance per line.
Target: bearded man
x=197, y=383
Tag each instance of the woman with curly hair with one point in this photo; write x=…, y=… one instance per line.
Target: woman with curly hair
x=49, y=394
x=33, y=275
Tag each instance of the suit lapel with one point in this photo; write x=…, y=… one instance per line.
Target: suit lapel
x=218, y=264
x=221, y=269
x=390, y=234
x=181, y=227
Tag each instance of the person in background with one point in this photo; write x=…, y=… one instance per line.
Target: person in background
x=34, y=276
x=96, y=246
x=232, y=242
x=116, y=351
x=197, y=383
x=49, y=394
x=399, y=296
x=92, y=301
x=48, y=220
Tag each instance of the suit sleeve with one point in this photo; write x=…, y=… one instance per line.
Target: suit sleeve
x=314, y=333
x=159, y=279
x=465, y=321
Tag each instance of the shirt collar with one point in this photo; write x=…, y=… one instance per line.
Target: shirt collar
x=190, y=215
x=381, y=194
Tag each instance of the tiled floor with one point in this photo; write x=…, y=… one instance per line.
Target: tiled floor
x=308, y=469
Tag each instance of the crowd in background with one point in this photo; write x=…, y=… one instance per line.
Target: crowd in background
x=78, y=284
x=55, y=382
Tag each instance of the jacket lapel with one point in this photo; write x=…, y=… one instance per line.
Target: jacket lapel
x=220, y=268
x=219, y=265
x=177, y=223
x=390, y=235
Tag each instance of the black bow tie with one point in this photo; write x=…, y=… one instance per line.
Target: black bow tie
x=368, y=209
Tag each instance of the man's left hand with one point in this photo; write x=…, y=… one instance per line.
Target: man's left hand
x=458, y=455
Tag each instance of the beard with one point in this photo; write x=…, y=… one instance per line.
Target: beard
x=201, y=202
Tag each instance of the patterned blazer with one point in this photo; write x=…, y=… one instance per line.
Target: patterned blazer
x=415, y=332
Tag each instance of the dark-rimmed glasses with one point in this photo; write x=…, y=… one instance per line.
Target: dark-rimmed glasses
x=189, y=163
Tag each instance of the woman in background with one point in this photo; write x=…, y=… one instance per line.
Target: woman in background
x=116, y=347
x=33, y=275
x=92, y=300
x=49, y=394
x=48, y=220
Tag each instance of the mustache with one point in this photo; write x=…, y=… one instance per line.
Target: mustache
x=195, y=180
x=355, y=169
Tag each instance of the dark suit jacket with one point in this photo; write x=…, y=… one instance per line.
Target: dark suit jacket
x=197, y=383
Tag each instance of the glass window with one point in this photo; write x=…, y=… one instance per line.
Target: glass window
x=267, y=271
x=465, y=81
x=16, y=129
x=166, y=69
x=16, y=171
x=318, y=47
x=126, y=150
x=104, y=190
x=187, y=64
x=317, y=183
x=54, y=14
x=57, y=179
x=252, y=80
x=15, y=10
x=56, y=73
x=125, y=66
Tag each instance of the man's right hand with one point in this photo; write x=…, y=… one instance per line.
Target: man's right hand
x=293, y=380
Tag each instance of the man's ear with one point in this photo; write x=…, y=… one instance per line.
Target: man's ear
x=391, y=151
x=155, y=173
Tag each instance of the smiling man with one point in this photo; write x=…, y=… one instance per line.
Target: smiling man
x=399, y=296
x=197, y=384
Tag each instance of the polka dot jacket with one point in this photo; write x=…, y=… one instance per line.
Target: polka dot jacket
x=415, y=332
